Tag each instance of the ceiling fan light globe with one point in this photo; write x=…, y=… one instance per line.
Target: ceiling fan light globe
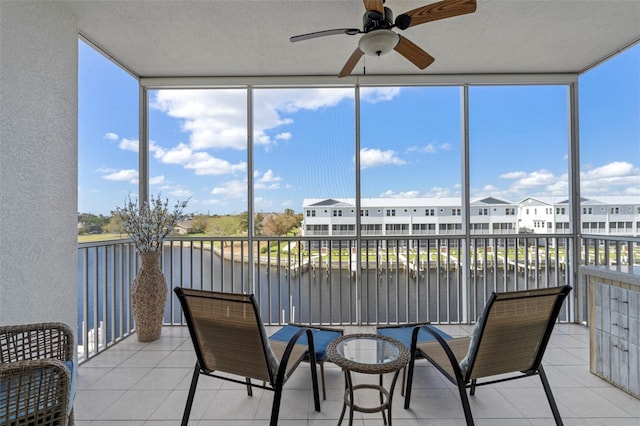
x=378, y=42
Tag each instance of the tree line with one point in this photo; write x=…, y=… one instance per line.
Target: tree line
x=271, y=224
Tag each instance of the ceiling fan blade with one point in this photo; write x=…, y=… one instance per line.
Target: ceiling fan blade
x=351, y=63
x=374, y=5
x=440, y=10
x=348, y=31
x=413, y=53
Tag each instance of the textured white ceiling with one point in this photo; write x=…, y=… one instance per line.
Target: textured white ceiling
x=251, y=38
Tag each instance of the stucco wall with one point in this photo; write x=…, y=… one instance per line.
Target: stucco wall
x=38, y=163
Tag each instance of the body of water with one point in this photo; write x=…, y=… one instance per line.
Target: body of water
x=318, y=295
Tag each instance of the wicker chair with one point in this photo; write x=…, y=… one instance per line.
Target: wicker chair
x=508, y=340
x=229, y=337
x=36, y=374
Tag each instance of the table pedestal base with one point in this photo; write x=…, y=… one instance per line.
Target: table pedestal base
x=385, y=399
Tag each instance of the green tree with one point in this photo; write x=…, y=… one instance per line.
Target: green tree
x=115, y=225
x=257, y=223
x=244, y=222
x=279, y=224
x=199, y=224
x=92, y=223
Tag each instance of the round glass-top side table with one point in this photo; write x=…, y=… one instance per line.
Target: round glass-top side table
x=368, y=354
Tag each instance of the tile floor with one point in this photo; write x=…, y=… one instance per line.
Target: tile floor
x=146, y=384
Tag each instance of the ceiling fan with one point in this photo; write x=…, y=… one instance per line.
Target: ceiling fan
x=378, y=37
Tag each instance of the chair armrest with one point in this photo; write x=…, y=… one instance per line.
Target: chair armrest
x=36, y=341
x=34, y=392
x=282, y=369
x=404, y=325
x=433, y=351
x=319, y=327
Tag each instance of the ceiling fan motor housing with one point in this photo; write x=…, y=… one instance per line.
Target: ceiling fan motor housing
x=373, y=20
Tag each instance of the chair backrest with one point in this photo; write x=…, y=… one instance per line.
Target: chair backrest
x=514, y=331
x=227, y=333
x=36, y=341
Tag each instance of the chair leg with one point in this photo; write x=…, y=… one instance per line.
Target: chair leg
x=404, y=380
x=407, y=393
x=472, y=390
x=192, y=392
x=275, y=408
x=324, y=386
x=249, y=387
x=462, y=389
x=547, y=391
x=314, y=383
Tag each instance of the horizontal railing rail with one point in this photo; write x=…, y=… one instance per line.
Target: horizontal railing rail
x=444, y=279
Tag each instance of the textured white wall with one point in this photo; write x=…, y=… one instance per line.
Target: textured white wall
x=38, y=163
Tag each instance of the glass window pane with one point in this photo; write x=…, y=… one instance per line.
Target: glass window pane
x=304, y=159
x=198, y=149
x=518, y=155
x=410, y=160
x=107, y=141
x=610, y=145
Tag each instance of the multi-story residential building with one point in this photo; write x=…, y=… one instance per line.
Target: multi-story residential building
x=404, y=216
x=610, y=215
x=543, y=215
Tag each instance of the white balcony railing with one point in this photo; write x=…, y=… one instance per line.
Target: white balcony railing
x=341, y=280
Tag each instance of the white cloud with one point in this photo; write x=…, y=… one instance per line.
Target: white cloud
x=130, y=175
x=157, y=180
x=372, y=157
x=292, y=100
x=440, y=192
x=128, y=145
x=537, y=178
x=201, y=162
x=430, y=148
x=392, y=194
x=513, y=175
x=268, y=180
x=618, y=177
x=378, y=94
x=217, y=118
x=213, y=118
x=180, y=154
x=111, y=136
x=156, y=149
x=615, y=178
x=615, y=169
x=268, y=176
x=205, y=164
x=235, y=189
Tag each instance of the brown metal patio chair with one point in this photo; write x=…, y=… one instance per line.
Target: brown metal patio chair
x=36, y=374
x=229, y=337
x=507, y=343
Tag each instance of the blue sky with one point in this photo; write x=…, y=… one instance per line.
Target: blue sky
x=304, y=141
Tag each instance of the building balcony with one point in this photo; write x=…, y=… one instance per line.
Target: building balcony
x=314, y=281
